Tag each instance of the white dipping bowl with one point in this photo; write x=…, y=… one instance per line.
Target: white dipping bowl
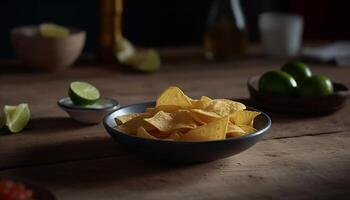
x=90, y=114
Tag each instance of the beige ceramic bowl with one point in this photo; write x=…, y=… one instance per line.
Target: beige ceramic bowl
x=47, y=54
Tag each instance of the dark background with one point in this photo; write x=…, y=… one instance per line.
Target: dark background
x=168, y=23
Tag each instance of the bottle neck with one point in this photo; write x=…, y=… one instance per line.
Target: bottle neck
x=237, y=13
x=227, y=11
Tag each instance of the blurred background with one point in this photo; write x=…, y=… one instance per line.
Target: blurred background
x=160, y=23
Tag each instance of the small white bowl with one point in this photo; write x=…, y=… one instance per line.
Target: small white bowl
x=90, y=114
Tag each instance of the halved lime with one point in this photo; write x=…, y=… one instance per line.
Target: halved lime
x=53, y=30
x=16, y=117
x=83, y=93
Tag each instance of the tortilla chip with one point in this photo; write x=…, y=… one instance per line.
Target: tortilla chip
x=204, y=117
x=141, y=132
x=234, y=105
x=173, y=96
x=244, y=117
x=166, y=122
x=176, y=135
x=234, y=130
x=124, y=118
x=133, y=124
x=247, y=129
x=215, y=130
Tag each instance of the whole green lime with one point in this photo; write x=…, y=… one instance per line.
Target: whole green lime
x=277, y=82
x=298, y=70
x=316, y=85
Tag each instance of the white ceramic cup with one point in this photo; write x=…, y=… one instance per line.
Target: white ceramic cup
x=281, y=34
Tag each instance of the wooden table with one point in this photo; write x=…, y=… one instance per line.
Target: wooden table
x=300, y=158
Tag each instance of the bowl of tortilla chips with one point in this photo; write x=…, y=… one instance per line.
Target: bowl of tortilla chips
x=178, y=128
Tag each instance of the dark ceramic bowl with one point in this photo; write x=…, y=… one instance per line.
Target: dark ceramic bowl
x=181, y=151
x=299, y=105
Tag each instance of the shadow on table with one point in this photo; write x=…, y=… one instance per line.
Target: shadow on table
x=16, y=67
x=278, y=116
x=49, y=124
x=60, y=151
x=124, y=173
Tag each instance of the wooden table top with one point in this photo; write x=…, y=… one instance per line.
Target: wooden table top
x=301, y=156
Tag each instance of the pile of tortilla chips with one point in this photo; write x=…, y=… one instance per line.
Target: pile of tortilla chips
x=178, y=117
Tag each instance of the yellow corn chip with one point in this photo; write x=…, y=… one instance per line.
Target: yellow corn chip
x=215, y=130
x=161, y=120
x=195, y=103
x=201, y=103
x=165, y=108
x=244, y=117
x=124, y=118
x=173, y=96
x=205, y=99
x=159, y=134
x=183, y=120
x=133, y=124
x=219, y=107
x=234, y=105
x=204, y=117
x=176, y=135
x=141, y=132
x=183, y=116
x=247, y=129
x=166, y=122
x=234, y=130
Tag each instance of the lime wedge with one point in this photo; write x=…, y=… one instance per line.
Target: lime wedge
x=82, y=93
x=145, y=61
x=16, y=117
x=124, y=51
x=142, y=60
x=53, y=30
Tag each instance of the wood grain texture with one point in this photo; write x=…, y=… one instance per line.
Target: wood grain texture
x=52, y=137
x=307, y=167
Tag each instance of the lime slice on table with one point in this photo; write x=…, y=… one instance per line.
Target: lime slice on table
x=16, y=117
x=82, y=93
x=298, y=70
x=53, y=30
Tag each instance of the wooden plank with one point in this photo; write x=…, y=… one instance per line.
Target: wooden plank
x=308, y=167
x=52, y=137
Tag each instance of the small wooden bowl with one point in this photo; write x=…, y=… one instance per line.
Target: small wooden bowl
x=47, y=54
x=299, y=105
